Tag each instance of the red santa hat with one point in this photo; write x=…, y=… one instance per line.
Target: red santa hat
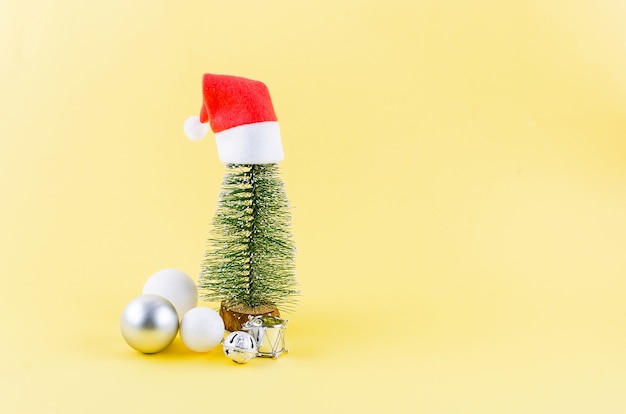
x=241, y=115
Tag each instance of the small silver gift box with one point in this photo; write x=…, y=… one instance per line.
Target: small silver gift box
x=269, y=334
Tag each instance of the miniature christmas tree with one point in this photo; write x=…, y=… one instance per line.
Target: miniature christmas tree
x=249, y=265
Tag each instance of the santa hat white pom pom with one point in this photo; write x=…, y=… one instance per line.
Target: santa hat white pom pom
x=194, y=129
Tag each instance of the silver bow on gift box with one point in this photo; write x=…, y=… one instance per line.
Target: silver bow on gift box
x=269, y=334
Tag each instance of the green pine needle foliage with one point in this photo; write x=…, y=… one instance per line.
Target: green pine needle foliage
x=251, y=256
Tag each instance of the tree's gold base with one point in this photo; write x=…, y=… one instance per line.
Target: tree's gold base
x=235, y=316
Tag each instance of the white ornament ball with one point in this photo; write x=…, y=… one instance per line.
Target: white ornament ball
x=202, y=329
x=194, y=129
x=149, y=323
x=175, y=286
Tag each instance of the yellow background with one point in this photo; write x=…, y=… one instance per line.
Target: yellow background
x=458, y=176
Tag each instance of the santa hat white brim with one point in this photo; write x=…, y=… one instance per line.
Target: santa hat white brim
x=257, y=143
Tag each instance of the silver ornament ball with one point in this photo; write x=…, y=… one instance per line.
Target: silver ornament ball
x=149, y=323
x=240, y=347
